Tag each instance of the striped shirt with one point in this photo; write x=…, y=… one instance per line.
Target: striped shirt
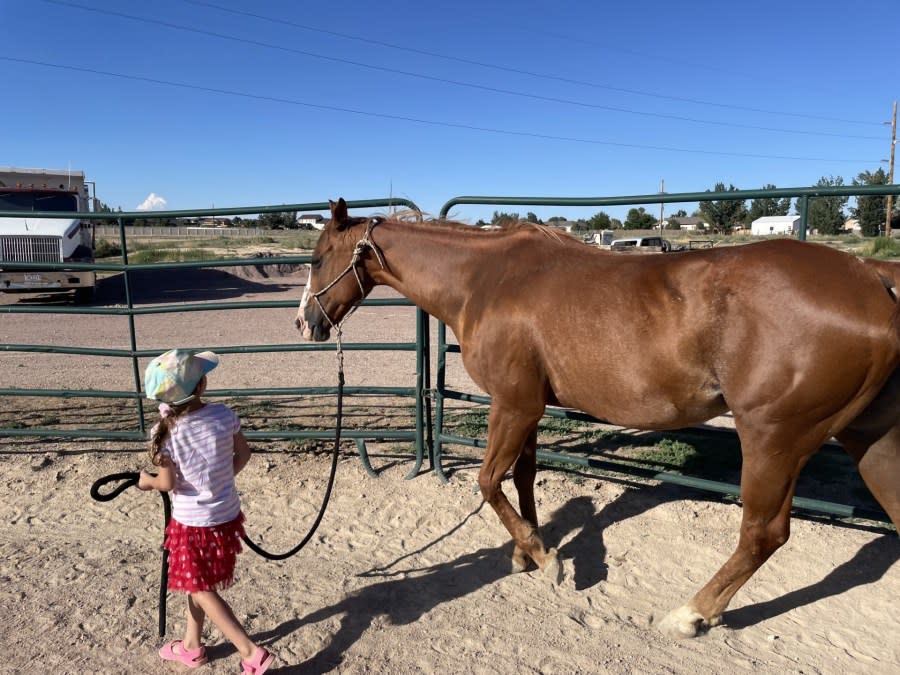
x=201, y=446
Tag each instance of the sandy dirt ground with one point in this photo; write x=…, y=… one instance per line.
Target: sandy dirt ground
x=405, y=575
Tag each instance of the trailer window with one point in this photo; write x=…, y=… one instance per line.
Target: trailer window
x=35, y=201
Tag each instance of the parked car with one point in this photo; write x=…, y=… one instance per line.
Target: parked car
x=645, y=244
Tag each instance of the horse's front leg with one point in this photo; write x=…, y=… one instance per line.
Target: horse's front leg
x=510, y=430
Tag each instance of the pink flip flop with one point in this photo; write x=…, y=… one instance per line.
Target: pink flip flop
x=175, y=651
x=260, y=662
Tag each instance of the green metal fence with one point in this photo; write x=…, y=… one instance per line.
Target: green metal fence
x=414, y=390
x=442, y=392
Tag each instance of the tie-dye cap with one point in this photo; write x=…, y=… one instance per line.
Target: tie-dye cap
x=172, y=377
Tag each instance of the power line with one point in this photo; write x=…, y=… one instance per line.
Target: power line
x=416, y=120
x=521, y=71
x=459, y=83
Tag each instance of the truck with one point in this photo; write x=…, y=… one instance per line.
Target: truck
x=26, y=239
x=641, y=245
x=602, y=238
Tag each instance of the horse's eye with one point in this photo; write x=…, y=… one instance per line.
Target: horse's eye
x=315, y=262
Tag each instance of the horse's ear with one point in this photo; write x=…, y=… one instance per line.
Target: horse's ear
x=339, y=212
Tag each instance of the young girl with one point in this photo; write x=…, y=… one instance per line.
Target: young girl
x=198, y=448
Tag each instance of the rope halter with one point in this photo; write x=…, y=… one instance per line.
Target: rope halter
x=365, y=243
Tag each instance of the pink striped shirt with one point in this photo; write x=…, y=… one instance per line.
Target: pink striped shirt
x=201, y=446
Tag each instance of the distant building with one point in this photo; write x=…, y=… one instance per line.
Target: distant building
x=313, y=220
x=775, y=225
x=852, y=225
x=689, y=223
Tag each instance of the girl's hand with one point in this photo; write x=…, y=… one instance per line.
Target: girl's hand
x=145, y=482
x=164, y=481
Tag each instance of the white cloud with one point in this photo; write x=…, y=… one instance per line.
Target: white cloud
x=153, y=203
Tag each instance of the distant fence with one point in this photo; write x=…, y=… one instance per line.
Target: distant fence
x=159, y=232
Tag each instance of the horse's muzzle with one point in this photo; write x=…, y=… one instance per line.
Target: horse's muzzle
x=316, y=333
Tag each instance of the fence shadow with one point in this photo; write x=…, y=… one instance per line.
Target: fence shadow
x=180, y=285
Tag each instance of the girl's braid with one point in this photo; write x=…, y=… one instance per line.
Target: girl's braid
x=168, y=416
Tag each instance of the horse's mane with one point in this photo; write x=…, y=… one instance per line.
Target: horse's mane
x=505, y=228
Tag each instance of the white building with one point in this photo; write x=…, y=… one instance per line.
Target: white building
x=313, y=219
x=687, y=223
x=775, y=225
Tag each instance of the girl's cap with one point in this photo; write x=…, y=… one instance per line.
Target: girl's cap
x=172, y=377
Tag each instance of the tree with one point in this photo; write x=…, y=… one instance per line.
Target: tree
x=870, y=209
x=278, y=221
x=680, y=213
x=599, y=221
x=532, y=218
x=826, y=214
x=639, y=219
x=581, y=225
x=724, y=214
x=768, y=206
x=501, y=219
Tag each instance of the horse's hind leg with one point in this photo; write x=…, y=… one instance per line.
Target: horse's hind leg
x=524, y=473
x=879, y=464
x=509, y=432
x=767, y=486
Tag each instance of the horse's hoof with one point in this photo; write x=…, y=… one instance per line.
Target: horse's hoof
x=553, y=569
x=517, y=565
x=684, y=622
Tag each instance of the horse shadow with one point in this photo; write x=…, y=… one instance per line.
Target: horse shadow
x=867, y=566
x=401, y=601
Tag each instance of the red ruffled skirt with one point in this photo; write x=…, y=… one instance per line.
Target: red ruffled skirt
x=202, y=558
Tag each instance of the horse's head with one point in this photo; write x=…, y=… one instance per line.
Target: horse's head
x=338, y=277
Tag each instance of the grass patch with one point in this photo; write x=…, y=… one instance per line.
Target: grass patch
x=470, y=424
x=103, y=248
x=229, y=242
x=883, y=247
x=670, y=454
x=158, y=255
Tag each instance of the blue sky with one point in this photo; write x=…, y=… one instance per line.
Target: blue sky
x=225, y=103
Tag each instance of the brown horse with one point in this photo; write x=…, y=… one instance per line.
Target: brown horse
x=800, y=341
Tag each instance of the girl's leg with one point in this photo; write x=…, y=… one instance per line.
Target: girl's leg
x=218, y=611
x=193, y=630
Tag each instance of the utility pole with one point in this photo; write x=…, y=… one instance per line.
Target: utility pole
x=662, y=190
x=890, y=177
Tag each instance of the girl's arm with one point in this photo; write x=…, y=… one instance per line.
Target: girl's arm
x=242, y=452
x=163, y=481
